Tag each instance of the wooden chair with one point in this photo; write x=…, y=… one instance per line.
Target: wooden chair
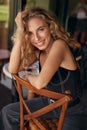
x=32, y=118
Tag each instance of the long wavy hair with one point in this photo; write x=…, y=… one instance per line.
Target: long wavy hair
x=28, y=51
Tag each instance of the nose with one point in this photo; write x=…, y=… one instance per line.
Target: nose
x=36, y=36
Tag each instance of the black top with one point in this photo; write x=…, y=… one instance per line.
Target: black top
x=63, y=80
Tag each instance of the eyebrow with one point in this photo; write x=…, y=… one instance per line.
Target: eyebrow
x=41, y=27
x=37, y=28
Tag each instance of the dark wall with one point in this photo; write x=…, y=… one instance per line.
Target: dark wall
x=60, y=8
x=15, y=6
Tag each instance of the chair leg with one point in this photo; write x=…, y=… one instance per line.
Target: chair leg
x=62, y=116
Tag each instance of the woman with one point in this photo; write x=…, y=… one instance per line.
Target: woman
x=40, y=37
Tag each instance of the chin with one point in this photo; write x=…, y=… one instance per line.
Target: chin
x=41, y=48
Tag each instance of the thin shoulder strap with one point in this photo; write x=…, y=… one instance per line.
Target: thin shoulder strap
x=62, y=85
x=39, y=55
x=39, y=61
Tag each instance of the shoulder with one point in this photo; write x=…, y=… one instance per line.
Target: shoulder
x=59, y=48
x=61, y=44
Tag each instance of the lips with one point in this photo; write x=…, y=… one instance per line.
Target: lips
x=40, y=43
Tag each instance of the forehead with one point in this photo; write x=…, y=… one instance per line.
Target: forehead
x=35, y=23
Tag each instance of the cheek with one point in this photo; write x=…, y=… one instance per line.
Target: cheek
x=31, y=38
x=47, y=34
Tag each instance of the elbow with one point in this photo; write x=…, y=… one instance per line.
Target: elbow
x=39, y=85
x=11, y=70
x=43, y=85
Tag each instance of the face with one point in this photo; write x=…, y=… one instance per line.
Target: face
x=39, y=33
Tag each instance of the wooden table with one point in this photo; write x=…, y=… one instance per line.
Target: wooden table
x=4, y=57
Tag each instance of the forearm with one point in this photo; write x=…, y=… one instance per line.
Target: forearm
x=15, y=58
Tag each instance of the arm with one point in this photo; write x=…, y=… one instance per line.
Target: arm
x=15, y=58
x=59, y=55
x=50, y=66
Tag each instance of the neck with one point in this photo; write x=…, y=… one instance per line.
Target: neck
x=49, y=47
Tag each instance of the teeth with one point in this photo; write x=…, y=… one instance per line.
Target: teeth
x=41, y=42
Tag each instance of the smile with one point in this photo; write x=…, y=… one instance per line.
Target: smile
x=41, y=43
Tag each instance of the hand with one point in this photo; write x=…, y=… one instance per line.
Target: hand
x=19, y=22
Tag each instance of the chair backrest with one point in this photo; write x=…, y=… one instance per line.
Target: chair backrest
x=61, y=100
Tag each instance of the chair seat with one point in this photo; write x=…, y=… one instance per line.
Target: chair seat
x=49, y=124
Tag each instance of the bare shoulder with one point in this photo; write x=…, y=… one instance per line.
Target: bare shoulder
x=58, y=50
x=60, y=44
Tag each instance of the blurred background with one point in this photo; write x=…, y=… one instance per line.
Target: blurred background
x=66, y=12
x=9, y=9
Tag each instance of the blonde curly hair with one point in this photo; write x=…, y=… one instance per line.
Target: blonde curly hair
x=28, y=51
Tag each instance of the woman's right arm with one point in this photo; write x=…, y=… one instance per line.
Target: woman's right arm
x=15, y=58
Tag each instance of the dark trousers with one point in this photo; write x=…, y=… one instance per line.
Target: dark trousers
x=75, y=118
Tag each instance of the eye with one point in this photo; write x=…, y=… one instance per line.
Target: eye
x=41, y=29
